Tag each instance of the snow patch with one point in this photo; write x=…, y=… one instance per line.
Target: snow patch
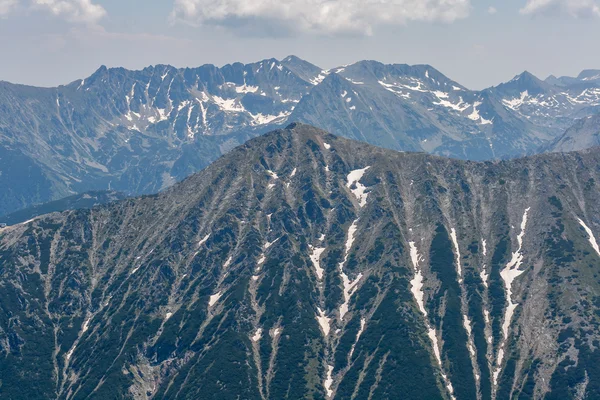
x=475, y=116
x=329, y=381
x=508, y=275
x=457, y=254
x=204, y=239
x=214, y=298
x=484, y=276
x=246, y=89
x=323, y=322
x=363, y=323
x=417, y=282
x=320, y=78
x=228, y=105
x=350, y=287
x=417, y=291
x=269, y=244
x=591, y=236
x=326, y=145
x=442, y=97
x=354, y=178
x=468, y=327
x=86, y=324
x=315, y=257
x=517, y=102
x=261, y=259
x=257, y=336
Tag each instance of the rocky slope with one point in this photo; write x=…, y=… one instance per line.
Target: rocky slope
x=584, y=134
x=141, y=131
x=303, y=265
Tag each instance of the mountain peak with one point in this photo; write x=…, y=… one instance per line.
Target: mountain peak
x=589, y=75
x=302, y=68
x=525, y=82
x=527, y=78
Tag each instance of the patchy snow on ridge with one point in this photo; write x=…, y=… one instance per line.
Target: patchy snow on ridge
x=444, y=102
x=354, y=178
x=228, y=105
x=246, y=89
x=517, y=102
x=475, y=116
x=320, y=78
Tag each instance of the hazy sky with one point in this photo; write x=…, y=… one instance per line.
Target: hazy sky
x=478, y=43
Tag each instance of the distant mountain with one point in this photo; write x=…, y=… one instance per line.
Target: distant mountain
x=75, y=202
x=139, y=132
x=588, y=75
x=135, y=131
x=306, y=266
x=584, y=134
x=416, y=108
x=554, y=104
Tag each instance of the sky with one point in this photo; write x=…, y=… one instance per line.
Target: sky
x=478, y=43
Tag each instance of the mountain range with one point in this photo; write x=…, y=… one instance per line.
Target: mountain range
x=305, y=265
x=139, y=132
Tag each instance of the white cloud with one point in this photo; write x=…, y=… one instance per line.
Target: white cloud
x=79, y=11
x=575, y=8
x=322, y=16
x=492, y=10
x=7, y=6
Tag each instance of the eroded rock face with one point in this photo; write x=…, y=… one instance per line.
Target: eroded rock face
x=303, y=265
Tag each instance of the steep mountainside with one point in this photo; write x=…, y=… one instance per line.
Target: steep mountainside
x=303, y=265
x=139, y=132
x=583, y=135
x=84, y=200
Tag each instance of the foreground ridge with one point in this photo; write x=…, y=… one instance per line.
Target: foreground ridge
x=305, y=265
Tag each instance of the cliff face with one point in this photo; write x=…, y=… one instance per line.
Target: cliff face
x=303, y=265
